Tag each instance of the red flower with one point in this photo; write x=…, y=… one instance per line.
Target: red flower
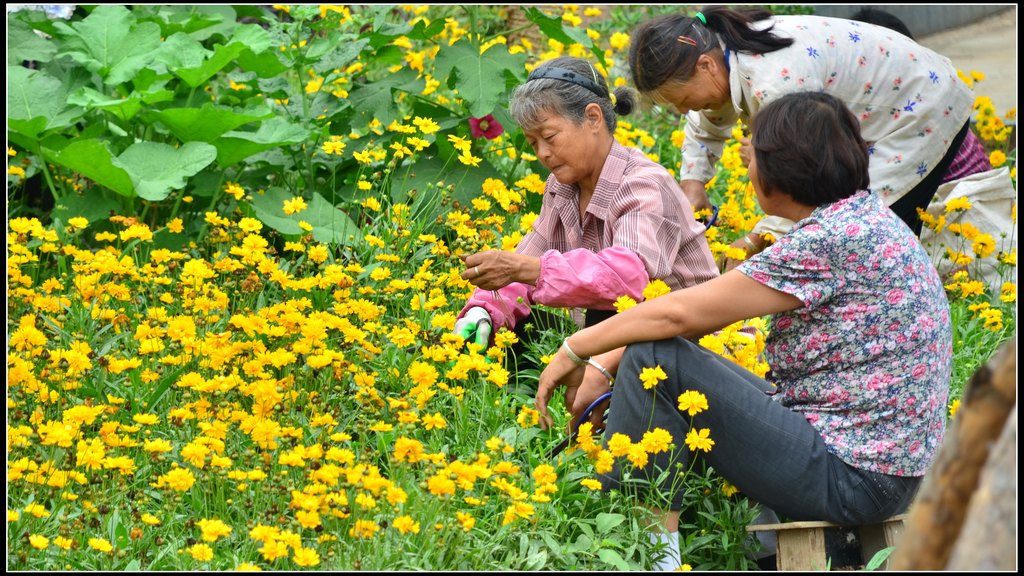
x=487, y=127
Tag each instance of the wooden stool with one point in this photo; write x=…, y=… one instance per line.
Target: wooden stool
x=801, y=545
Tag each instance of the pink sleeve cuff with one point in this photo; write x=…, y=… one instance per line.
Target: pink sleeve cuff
x=581, y=278
x=506, y=306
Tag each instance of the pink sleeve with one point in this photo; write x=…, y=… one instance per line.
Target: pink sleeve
x=506, y=306
x=590, y=280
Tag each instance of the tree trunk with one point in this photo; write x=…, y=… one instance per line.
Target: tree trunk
x=988, y=540
x=935, y=518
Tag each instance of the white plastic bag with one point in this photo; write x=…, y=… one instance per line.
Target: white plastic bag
x=993, y=199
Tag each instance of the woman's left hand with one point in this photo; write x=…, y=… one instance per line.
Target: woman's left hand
x=494, y=269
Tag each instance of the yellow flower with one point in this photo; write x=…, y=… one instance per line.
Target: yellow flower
x=619, y=41
x=619, y=444
x=728, y=489
x=306, y=557
x=699, y=440
x=37, y=510
x=201, y=552
x=997, y=158
x=692, y=402
x=953, y=407
x=234, y=190
x=100, y=544
x=960, y=203
x=435, y=420
x=637, y=455
x=213, y=529
x=405, y=525
x=528, y=417
x=294, y=205
x=38, y=542
x=651, y=376
x=467, y=521
x=656, y=288
x=591, y=483
x=656, y=441
x=78, y=222
x=623, y=303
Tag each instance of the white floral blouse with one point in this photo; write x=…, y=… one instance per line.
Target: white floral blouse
x=909, y=99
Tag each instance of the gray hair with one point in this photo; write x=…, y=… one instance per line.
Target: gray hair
x=532, y=99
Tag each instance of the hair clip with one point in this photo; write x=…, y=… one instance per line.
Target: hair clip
x=687, y=40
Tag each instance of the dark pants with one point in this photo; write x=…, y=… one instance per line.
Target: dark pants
x=920, y=196
x=771, y=453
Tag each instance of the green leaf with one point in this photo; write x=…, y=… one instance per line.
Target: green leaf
x=614, y=558
x=269, y=208
x=36, y=102
x=552, y=27
x=375, y=99
x=111, y=43
x=607, y=521
x=234, y=146
x=338, y=51
x=124, y=108
x=536, y=561
x=208, y=123
x=879, y=558
x=91, y=158
x=93, y=206
x=265, y=64
x=330, y=225
x=480, y=77
x=24, y=44
x=156, y=168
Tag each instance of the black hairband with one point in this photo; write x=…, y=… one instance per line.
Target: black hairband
x=555, y=73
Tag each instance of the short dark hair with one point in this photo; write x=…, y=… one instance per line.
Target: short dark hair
x=808, y=145
x=882, y=18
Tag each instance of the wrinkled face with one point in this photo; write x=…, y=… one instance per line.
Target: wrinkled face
x=564, y=148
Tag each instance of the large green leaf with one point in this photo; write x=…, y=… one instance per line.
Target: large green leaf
x=336, y=51
x=156, y=169
x=91, y=158
x=111, y=43
x=248, y=37
x=552, y=27
x=208, y=123
x=480, y=77
x=330, y=224
x=36, y=102
x=375, y=99
x=92, y=206
x=198, y=21
x=235, y=146
x=123, y=108
x=24, y=44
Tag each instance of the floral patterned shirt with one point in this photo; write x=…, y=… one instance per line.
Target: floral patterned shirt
x=910, y=101
x=868, y=358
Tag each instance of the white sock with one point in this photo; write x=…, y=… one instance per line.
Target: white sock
x=670, y=559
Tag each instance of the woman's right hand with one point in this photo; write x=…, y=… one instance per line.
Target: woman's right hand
x=696, y=194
